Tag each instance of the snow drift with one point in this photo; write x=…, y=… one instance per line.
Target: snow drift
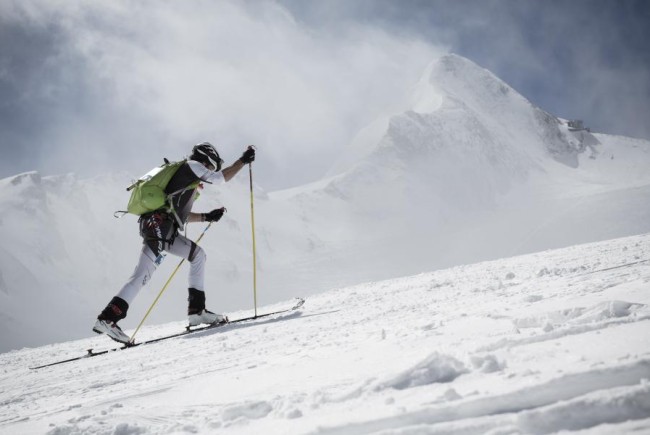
x=550, y=342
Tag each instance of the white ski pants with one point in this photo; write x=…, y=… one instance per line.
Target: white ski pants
x=148, y=262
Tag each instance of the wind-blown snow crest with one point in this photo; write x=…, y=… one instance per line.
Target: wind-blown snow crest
x=556, y=341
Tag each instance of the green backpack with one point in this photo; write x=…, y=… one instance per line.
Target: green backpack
x=148, y=192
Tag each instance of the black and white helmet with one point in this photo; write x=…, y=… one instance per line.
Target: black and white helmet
x=206, y=153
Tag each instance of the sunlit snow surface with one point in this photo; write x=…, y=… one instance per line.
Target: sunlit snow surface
x=542, y=343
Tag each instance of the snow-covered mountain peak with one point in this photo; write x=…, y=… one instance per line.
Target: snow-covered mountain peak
x=33, y=183
x=25, y=180
x=463, y=121
x=23, y=191
x=25, y=177
x=467, y=139
x=460, y=84
x=459, y=78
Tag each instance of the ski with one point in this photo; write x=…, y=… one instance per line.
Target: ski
x=188, y=330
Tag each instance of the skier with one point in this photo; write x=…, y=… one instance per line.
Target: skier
x=160, y=232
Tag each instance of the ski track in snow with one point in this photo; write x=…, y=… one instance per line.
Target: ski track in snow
x=557, y=341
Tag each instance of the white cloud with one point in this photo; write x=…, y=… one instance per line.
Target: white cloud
x=153, y=78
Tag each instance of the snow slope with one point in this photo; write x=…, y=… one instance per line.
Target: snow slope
x=469, y=171
x=556, y=341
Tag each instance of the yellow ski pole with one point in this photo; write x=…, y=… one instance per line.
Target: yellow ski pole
x=250, y=173
x=165, y=287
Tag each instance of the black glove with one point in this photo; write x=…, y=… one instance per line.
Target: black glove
x=248, y=156
x=214, y=215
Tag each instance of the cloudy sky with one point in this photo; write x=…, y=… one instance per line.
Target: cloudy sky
x=97, y=86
